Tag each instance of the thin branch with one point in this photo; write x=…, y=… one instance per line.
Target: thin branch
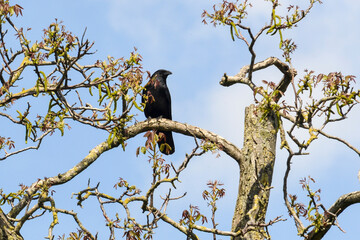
x=340, y=140
x=189, y=232
x=284, y=143
x=319, y=131
x=39, y=140
x=299, y=225
x=74, y=215
x=173, y=223
x=188, y=158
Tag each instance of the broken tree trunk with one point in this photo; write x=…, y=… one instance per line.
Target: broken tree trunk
x=256, y=171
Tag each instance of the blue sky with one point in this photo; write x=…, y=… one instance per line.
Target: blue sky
x=170, y=35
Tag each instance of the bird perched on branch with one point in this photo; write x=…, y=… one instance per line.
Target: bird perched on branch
x=157, y=98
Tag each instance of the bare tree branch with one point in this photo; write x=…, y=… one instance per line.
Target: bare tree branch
x=186, y=129
x=227, y=81
x=39, y=140
x=340, y=140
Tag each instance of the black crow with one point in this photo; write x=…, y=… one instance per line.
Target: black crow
x=158, y=104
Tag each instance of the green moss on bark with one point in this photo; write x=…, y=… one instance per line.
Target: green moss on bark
x=255, y=172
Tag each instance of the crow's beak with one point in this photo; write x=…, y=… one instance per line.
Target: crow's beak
x=168, y=73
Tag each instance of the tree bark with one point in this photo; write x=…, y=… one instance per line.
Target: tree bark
x=256, y=171
x=7, y=231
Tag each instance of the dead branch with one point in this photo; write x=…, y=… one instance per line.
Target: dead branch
x=241, y=77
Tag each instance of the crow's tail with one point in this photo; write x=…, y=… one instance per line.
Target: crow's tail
x=166, y=137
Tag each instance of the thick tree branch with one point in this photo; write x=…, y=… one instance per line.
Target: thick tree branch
x=186, y=129
x=335, y=210
x=130, y=132
x=61, y=178
x=227, y=81
x=7, y=229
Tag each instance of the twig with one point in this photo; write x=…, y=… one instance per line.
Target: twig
x=340, y=140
